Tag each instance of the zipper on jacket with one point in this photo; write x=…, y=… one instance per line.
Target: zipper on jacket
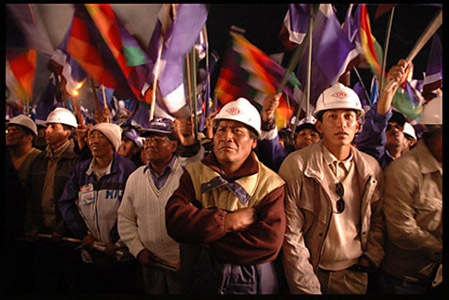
x=96, y=216
x=327, y=229
x=367, y=195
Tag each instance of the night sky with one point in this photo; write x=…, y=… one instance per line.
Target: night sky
x=262, y=23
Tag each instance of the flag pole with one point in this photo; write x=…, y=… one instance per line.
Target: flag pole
x=189, y=85
x=387, y=41
x=291, y=65
x=104, y=96
x=156, y=75
x=97, y=106
x=426, y=35
x=207, y=72
x=294, y=62
x=363, y=85
x=309, y=61
x=194, y=96
x=297, y=116
x=57, y=87
x=76, y=106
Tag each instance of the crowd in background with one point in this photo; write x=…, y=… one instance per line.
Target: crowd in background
x=349, y=203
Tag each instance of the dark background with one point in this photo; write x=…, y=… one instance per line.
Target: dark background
x=262, y=23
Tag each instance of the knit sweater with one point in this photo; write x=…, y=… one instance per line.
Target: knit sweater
x=141, y=216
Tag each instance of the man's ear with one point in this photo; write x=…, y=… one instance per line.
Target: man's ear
x=318, y=125
x=254, y=145
x=358, y=126
x=174, y=146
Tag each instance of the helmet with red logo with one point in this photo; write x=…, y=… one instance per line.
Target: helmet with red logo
x=338, y=96
x=240, y=110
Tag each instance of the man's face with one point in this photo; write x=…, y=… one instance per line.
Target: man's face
x=395, y=135
x=232, y=142
x=127, y=147
x=306, y=137
x=338, y=126
x=99, y=145
x=159, y=148
x=40, y=139
x=55, y=134
x=16, y=135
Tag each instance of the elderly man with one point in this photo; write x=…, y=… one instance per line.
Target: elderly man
x=89, y=207
x=334, y=223
x=413, y=204
x=141, y=216
x=228, y=212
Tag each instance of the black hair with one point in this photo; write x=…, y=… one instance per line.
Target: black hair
x=286, y=135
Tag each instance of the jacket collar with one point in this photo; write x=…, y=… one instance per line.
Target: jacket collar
x=112, y=168
x=314, y=165
x=427, y=162
x=249, y=167
x=66, y=151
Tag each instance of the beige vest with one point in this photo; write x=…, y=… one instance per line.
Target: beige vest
x=256, y=185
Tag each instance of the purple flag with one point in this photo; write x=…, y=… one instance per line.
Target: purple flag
x=178, y=37
x=46, y=102
x=434, y=71
x=296, y=21
x=350, y=26
x=140, y=118
x=331, y=53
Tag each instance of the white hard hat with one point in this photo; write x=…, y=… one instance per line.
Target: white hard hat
x=63, y=116
x=409, y=130
x=308, y=120
x=338, y=96
x=24, y=121
x=241, y=110
x=433, y=112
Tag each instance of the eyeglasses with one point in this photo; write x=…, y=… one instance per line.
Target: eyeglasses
x=341, y=202
x=12, y=131
x=156, y=139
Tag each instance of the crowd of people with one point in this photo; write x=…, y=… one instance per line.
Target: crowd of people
x=350, y=203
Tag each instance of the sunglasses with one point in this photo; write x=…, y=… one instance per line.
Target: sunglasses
x=341, y=202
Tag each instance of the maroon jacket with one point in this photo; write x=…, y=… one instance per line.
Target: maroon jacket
x=189, y=223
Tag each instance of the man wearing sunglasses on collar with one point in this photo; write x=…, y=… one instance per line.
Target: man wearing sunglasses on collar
x=334, y=222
